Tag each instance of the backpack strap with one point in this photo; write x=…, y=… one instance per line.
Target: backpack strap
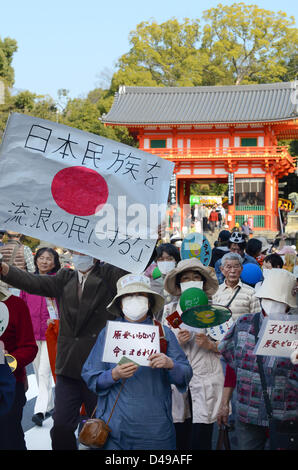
x=162, y=338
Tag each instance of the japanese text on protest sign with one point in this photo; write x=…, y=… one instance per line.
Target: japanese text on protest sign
x=131, y=340
x=278, y=337
x=82, y=191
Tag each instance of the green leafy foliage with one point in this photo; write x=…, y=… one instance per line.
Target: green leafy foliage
x=8, y=47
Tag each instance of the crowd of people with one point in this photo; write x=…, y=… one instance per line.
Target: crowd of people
x=193, y=384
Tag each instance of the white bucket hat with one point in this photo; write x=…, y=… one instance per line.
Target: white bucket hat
x=191, y=264
x=131, y=284
x=278, y=285
x=265, y=244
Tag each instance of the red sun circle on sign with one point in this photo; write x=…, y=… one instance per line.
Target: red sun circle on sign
x=79, y=190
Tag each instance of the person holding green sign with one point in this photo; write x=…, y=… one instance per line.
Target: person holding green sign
x=194, y=412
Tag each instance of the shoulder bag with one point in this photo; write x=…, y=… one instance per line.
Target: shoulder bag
x=233, y=297
x=283, y=435
x=95, y=432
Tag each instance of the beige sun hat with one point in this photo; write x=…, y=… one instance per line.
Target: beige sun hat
x=278, y=285
x=192, y=264
x=265, y=244
x=131, y=284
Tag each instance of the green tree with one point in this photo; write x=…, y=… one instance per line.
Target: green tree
x=24, y=101
x=85, y=114
x=8, y=47
x=249, y=43
x=162, y=54
x=212, y=189
x=292, y=69
x=238, y=44
x=28, y=103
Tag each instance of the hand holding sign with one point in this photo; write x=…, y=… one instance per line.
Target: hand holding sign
x=202, y=341
x=124, y=371
x=160, y=361
x=184, y=336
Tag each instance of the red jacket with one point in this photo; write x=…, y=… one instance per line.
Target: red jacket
x=213, y=217
x=18, y=338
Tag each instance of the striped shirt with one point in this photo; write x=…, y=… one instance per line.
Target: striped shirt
x=244, y=302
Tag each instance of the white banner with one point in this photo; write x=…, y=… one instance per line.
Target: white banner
x=133, y=341
x=81, y=191
x=278, y=337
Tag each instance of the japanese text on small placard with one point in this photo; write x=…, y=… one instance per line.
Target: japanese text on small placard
x=135, y=341
x=277, y=338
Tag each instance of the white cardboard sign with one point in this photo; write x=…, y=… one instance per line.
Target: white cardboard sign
x=82, y=191
x=278, y=337
x=134, y=341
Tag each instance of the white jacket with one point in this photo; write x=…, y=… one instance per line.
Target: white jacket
x=205, y=387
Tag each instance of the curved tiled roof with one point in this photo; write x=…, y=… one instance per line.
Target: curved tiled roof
x=202, y=105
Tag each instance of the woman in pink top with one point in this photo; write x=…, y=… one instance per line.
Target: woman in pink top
x=42, y=309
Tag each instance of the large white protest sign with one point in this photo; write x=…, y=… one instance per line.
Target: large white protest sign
x=134, y=341
x=82, y=191
x=278, y=337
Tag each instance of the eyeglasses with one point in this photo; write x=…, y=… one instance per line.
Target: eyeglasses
x=229, y=267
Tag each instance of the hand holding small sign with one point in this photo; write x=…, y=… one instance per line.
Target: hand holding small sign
x=160, y=360
x=202, y=341
x=184, y=336
x=124, y=371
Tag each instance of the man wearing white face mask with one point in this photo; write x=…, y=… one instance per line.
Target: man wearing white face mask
x=82, y=295
x=276, y=297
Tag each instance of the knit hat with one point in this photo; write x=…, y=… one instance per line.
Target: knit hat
x=278, y=285
x=131, y=284
x=224, y=235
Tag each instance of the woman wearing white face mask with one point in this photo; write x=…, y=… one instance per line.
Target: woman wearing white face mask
x=142, y=416
x=167, y=257
x=237, y=347
x=195, y=411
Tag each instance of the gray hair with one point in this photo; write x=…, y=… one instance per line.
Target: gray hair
x=231, y=257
